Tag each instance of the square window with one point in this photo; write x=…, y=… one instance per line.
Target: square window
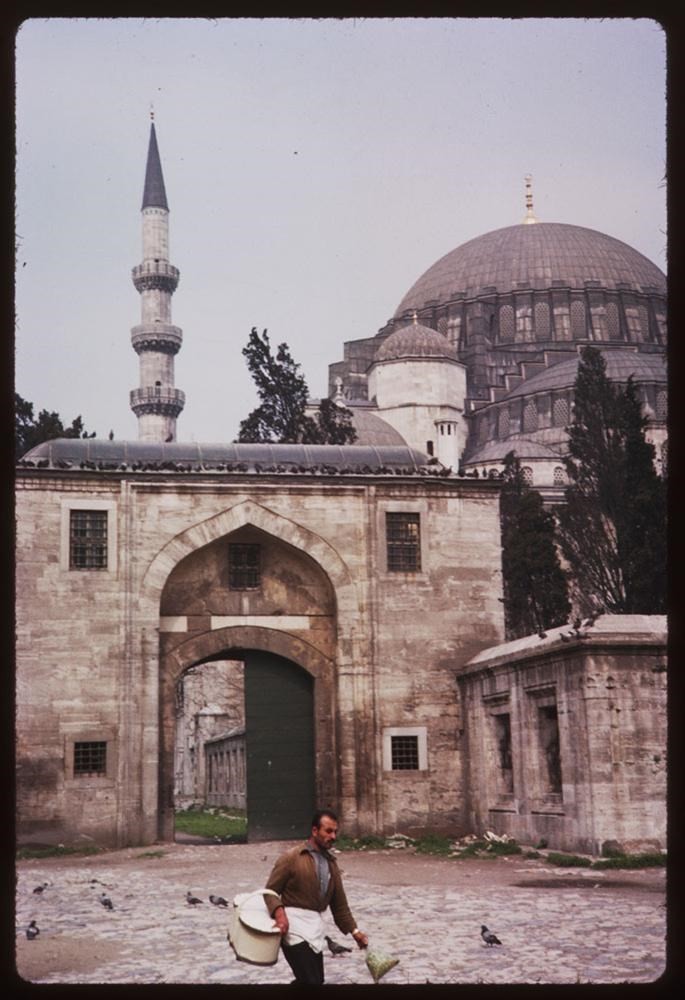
x=87, y=539
x=90, y=758
x=404, y=753
x=244, y=566
x=403, y=542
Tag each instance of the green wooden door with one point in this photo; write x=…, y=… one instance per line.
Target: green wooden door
x=279, y=732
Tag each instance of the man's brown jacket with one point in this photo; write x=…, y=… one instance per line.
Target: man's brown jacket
x=295, y=879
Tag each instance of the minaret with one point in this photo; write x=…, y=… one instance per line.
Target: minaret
x=156, y=403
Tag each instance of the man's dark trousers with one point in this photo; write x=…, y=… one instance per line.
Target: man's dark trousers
x=305, y=963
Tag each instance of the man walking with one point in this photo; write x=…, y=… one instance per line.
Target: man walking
x=308, y=880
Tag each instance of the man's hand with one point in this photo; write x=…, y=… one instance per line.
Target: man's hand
x=361, y=938
x=279, y=916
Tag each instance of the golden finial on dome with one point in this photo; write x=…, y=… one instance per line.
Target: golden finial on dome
x=530, y=218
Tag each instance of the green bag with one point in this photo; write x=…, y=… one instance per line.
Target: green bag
x=378, y=963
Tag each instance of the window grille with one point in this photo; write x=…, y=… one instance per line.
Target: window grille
x=661, y=404
x=503, y=422
x=403, y=542
x=530, y=416
x=90, y=758
x=548, y=730
x=503, y=738
x=88, y=539
x=559, y=476
x=404, y=753
x=527, y=474
x=560, y=412
x=244, y=566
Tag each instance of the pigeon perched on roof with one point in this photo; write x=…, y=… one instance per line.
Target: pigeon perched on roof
x=217, y=900
x=32, y=931
x=488, y=936
x=335, y=948
x=41, y=888
x=193, y=900
x=106, y=901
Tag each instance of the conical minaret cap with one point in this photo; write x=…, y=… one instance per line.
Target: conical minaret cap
x=154, y=195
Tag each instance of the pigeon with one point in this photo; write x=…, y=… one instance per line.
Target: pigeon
x=41, y=888
x=542, y=634
x=193, y=900
x=32, y=931
x=217, y=900
x=335, y=948
x=488, y=936
x=106, y=901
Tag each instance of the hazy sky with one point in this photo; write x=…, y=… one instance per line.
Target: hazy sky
x=314, y=170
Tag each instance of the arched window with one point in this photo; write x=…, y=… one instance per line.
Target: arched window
x=562, y=323
x=559, y=476
x=503, y=422
x=527, y=474
x=530, y=416
x=560, y=412
x=661, y=410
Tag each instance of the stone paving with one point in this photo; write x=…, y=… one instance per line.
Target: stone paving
x=586, y=932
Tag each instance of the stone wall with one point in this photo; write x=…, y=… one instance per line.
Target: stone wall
x=567, y=739
x=100, y=652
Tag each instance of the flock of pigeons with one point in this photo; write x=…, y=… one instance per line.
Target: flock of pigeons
x=32, y=931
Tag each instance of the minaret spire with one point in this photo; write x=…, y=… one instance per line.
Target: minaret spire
x=530, y=217
x=156, y=403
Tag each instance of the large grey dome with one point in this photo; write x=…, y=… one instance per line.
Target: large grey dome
x=535, y=256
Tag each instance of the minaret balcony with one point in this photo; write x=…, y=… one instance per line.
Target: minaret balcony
x=155, y=274
x=157, y=399
x=156, y=337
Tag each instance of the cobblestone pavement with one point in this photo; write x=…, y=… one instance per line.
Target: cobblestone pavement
x=556, y=925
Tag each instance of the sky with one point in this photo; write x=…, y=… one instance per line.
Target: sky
x=314, y=170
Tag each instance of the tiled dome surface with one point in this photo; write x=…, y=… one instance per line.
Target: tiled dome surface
x=415, y=341
x=495, y=451
x=536, y=255
x=620, y=365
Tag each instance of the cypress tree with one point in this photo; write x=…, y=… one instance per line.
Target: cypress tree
x=535, y=590
x=612, y=529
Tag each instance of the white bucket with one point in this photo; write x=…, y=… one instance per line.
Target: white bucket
x=251, y=931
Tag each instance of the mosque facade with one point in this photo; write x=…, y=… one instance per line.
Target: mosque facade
x=324, y=624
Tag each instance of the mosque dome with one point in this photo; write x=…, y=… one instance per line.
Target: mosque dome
x=415, y=341
x=536, y=256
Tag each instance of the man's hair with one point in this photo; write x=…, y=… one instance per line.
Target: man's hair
x=319, y=814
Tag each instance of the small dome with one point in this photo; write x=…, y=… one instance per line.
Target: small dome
x=372, y=429
x=620, y=364
x=415, y=341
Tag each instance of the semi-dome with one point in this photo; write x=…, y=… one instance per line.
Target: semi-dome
x=496, y=451
x=415, y=341
x=619, y=366
x=535, y=256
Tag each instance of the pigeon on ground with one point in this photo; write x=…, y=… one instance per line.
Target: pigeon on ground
x=32, y=931
x=41, y=888
x=217, y=900
x=488, y=936
x=193, y=900
x=106, y=901
x=335, y=948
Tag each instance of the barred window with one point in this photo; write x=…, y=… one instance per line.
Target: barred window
x=527, y=474
x=503, y=422
x=88, y=539
x=403, y=542
x=244, y=566
x=661, y=404
x=530, y=416
x=560, y=412
x=90, y=758
x=404, y=753
x=560, y=476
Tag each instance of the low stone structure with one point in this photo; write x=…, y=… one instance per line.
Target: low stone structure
x=566, y=736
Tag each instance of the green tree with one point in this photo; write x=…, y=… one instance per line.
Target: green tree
x=30, y=431
x=535, y=589
x=281, y=416
x=612, y=529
